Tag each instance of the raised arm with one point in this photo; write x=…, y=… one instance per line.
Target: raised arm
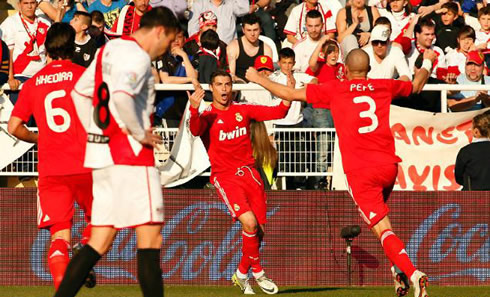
x=313, y=62
x=284, y=92
x=197, y=124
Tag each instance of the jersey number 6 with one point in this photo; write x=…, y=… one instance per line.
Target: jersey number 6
x=370, y=114
x=52, y=112
x=102, y=115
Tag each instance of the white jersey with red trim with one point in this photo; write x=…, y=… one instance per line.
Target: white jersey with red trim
x=17, y=34
x=399, y=22
x=482, y=37
x=126, y=68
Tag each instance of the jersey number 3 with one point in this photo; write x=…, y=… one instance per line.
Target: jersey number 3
x=370, y=114
x=52, y=112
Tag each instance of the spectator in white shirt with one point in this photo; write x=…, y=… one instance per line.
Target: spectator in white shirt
x=304, y=48
x=296, y=28
x=456, y=58
x=385, y=60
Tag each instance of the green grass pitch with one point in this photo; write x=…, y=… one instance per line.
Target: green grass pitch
x=223, y=291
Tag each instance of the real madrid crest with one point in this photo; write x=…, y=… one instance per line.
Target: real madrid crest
x=236, y=207
x=238, y=117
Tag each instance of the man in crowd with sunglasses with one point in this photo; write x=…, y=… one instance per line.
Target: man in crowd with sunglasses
x=385, y=59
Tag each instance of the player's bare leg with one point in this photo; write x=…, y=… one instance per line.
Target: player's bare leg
x=148, y=243
x=58, y=258
x=395, y=251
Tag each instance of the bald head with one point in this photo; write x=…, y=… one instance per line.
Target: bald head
x=357, y=63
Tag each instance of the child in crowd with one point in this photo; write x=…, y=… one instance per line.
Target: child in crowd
x=472, y=169
x=456, y=59
x=208, y=56
x=448, y=24
x=85, y=45
x=324, y=62
x=482, y=41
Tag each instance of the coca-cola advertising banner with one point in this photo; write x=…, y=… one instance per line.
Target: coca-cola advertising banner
x=447, y=235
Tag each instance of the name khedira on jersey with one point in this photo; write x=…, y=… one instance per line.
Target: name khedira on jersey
x=54, y=78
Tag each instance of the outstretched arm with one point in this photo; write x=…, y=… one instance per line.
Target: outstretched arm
x=197, y=125
x=284, y=92
x=423, y=74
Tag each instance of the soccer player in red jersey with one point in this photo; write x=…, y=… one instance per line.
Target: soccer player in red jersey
x=360, y=108
x=224, y=127
x=61, y=142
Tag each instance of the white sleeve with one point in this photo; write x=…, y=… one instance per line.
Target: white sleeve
x=126, y=110
x=401, y=64
x=131, y=77
x=6, y=32
x=292, y=24
x=82, y=95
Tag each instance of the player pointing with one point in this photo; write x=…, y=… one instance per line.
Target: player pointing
x=224, y=128
x=360, y=109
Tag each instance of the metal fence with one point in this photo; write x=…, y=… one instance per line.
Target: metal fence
x=302, y=152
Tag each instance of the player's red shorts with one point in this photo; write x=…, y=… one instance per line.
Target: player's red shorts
x=56, y=197
x=370, y=188
x=241, y=192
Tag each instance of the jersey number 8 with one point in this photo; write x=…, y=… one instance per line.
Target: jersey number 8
x=370, y=114
x=102, y=116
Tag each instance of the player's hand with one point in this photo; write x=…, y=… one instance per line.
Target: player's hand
x=431, y=55
x=364, y=38
x=252, y=75
x=151, y=139
x=14, y=84
x=196, y=97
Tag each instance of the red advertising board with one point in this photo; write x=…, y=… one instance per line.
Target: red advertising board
x=447, y=234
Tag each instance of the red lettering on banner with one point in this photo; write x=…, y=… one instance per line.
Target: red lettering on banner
x=417, y=179
x=400, y=179
x=436, y=174
x=449, y=174
x=466, y=128
x=445, y=136
x=419, y=132
x=400, y=132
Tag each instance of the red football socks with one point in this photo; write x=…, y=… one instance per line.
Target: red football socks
x=58, y=260
x=250, y=253
x=396, y=253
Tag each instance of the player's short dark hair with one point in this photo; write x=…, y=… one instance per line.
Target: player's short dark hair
x=60, y=41
x=451, y=6
x=87, y=18
x=467, y=31
x=220, y=72
x=424, y=22
x=314, y=14
x=484, y=11
x=209, y=40
x=250, y=19
x=159, y=16
x=286, y=53
x=482, y=123
x=97, y=17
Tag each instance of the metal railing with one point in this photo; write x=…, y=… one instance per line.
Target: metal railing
x=301, y=152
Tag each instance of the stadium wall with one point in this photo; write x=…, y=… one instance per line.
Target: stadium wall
x=447, y=235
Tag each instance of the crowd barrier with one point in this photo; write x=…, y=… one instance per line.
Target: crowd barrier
x=447, y=235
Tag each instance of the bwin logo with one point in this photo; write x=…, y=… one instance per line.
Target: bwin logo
x=233, y=134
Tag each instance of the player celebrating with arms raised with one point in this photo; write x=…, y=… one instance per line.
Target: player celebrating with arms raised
x=224, y=128
x=360, y=109
x=61, y=141
x=114, y=98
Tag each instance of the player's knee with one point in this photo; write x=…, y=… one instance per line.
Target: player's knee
x=249, y=225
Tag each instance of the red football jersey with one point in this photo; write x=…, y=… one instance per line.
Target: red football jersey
x=62, y=138
x=226, y=133
x=360, y=110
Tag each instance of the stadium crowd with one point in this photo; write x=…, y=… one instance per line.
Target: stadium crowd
x=309, y=39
